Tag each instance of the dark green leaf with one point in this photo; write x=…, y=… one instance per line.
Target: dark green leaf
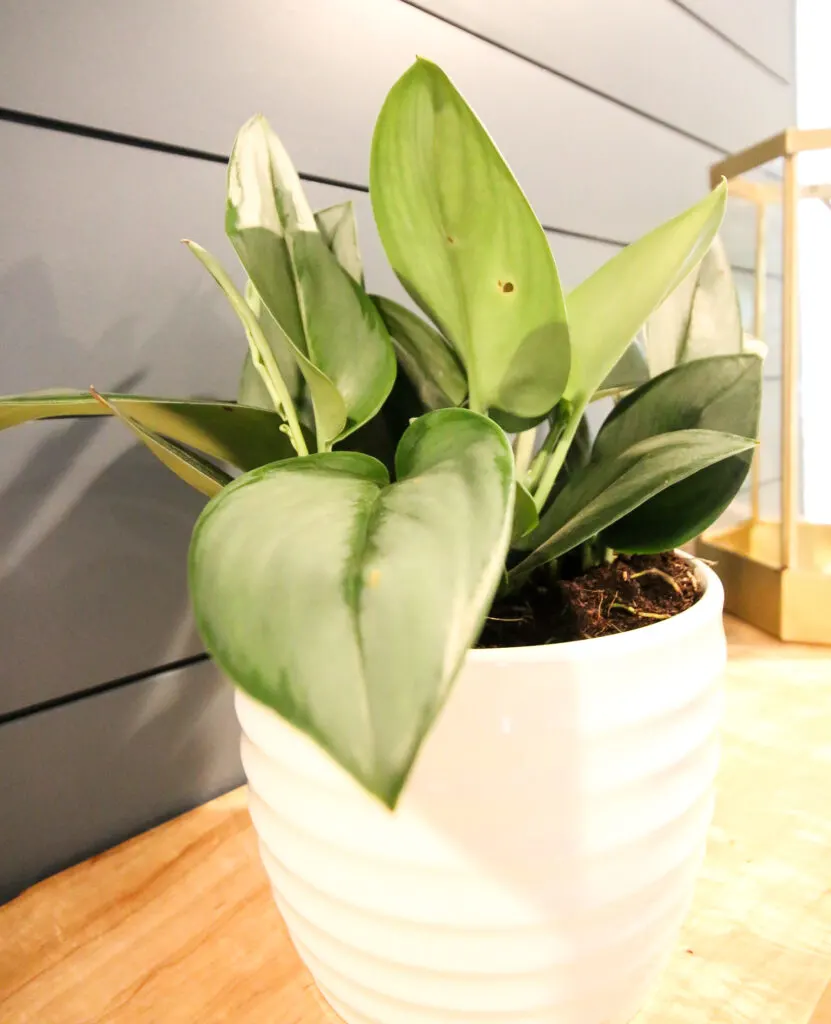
x=718, y=393
x=605, y=490
x=467, y=246
x=242, y=436
x=347, y=603
x=194, y=470
x=426, y=357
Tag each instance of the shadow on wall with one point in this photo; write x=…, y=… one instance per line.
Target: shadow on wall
x=79, y=778
x=94, y=532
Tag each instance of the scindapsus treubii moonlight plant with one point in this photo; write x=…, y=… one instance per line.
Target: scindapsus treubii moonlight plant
x=343, y=575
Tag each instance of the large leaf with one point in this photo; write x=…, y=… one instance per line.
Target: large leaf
x=605, y=490
x=339, y=230
x=426, y=357
x=187, y=465
x=337, y=334
x=718, y=393
x=242, y=436
x=347, y=603
x=467, y=246
x=700, y=318
x=608, y=308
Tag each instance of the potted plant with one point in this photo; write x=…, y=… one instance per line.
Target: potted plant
x=460, y=823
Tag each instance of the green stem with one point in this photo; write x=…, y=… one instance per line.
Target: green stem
x=267, y=368
x=524, y=451
x=557, y=458
x=542, y=456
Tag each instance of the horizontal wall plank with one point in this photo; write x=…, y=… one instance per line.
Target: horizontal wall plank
x=765, y=28
x=587, y=165
x=91, y=773
x=624, y=49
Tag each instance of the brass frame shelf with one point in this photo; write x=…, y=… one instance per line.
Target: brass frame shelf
x=777, y=575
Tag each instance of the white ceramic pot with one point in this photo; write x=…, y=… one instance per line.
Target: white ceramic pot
x=543, y=853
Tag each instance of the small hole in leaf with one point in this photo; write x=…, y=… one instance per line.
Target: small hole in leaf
x=507, y=287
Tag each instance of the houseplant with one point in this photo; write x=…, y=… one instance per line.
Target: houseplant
x=452, y=834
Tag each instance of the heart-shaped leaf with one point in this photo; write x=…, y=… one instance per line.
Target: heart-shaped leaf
x=467, y=246
x=609, y=308
x=426, y=357
x=242, y=436
x=347, y=603
x=340, y=342
x=339, y=230
x=607, y=489
x=700, y=318
x=718, y=393
x=188, y=466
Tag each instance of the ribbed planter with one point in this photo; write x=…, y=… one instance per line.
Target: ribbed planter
x=544, y=851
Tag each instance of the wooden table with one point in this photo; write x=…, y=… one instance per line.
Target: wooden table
x=177, y=925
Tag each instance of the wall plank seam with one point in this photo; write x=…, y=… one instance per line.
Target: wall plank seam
x=600, y=93
x=94, y=691
x=731, y=42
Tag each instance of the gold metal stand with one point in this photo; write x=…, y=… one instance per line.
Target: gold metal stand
x=777, y=575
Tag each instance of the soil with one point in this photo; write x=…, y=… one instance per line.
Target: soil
x=630, y=592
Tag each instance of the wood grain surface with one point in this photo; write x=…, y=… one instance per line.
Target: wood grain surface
x=177, y=925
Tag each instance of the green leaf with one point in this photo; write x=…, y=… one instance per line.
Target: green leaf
x=608, y=308
x=718, y=393
x=277, y=341
x=194, y=470
x=252, y=390
x=243, y=436
x=526, y=517
x=467, y=246
x=337, y=334
x=607, y=489
x=426, y=357
x=700, y=318
x=261, y=355
x=627, y=373
x=339, y=230
x=347, y=603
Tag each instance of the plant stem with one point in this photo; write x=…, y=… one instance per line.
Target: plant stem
x=276, y=386
x=557, y=458
x=524, y=450
x=540, y=459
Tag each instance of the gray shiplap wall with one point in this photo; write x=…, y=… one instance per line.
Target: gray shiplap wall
x=114, y=124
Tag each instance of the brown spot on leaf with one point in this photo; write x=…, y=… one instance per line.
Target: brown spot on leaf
x=451, y=239
x=507, y=287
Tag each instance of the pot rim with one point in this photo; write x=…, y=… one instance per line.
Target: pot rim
x=666, y=631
